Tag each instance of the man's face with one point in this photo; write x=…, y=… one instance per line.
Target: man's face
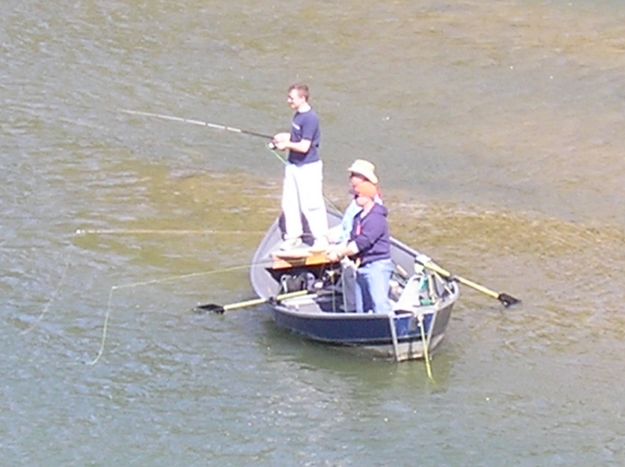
x=355, y=180
x=294, y=99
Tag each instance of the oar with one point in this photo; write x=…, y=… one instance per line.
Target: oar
x=254, y=302
x=504, y=298
x=216, y=126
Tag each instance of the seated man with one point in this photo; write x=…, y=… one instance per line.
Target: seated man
x=360, y=171
x=370, y=245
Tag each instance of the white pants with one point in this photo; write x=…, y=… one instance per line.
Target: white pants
x=302, y=193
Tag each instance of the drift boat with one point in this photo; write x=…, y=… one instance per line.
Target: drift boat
x=422, y=300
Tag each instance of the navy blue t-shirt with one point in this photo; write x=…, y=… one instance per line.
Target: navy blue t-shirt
x=305, y=125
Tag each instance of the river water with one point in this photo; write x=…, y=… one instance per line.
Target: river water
x=497, y=131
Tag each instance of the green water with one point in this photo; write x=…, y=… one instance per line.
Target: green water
x=496, y=130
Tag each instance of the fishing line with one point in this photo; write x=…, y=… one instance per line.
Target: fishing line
x=50, y=301
x=272, y=149
x=155, y=281
x=81, y=232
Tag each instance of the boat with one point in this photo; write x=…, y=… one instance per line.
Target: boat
x=422, y=299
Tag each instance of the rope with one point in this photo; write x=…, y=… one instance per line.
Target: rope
x=426, y=344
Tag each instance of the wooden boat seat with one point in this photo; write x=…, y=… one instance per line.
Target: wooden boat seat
x=298, y=258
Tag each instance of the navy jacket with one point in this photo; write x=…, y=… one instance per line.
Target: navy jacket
x=371, y=234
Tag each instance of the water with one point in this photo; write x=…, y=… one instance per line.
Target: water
x=495, y=128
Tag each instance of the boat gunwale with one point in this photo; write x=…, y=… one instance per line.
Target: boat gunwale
x=284, y=307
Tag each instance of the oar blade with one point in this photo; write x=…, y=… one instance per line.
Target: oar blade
x=507, y=300
x=209, y=307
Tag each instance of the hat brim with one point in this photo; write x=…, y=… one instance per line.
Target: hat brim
x=365, y=173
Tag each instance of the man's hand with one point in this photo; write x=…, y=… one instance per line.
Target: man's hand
x=335, y=253
x=280, y=140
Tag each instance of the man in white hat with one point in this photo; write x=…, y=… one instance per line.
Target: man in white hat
x=364, y=169
x=361, y=170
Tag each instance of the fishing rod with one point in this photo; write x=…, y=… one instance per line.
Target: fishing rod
x=215, y=126
x=270, y=145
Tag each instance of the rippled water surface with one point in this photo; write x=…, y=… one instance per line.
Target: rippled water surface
x=497, y=131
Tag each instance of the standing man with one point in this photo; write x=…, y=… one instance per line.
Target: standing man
x=302, y=191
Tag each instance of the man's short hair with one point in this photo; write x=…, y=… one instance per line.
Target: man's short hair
x=302, y=90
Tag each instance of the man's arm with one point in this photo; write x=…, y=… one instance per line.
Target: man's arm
x=301, y=146
x=282, y=141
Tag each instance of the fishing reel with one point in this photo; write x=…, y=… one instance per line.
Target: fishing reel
x=330, y=277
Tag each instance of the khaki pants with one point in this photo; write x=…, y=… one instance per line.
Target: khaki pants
x=302, y=193
x=348, y=283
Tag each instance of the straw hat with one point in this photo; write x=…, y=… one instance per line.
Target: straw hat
x=364, y=168
x=367, y=189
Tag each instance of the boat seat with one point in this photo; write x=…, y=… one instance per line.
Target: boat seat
x=410, y=298
x=288, y=260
